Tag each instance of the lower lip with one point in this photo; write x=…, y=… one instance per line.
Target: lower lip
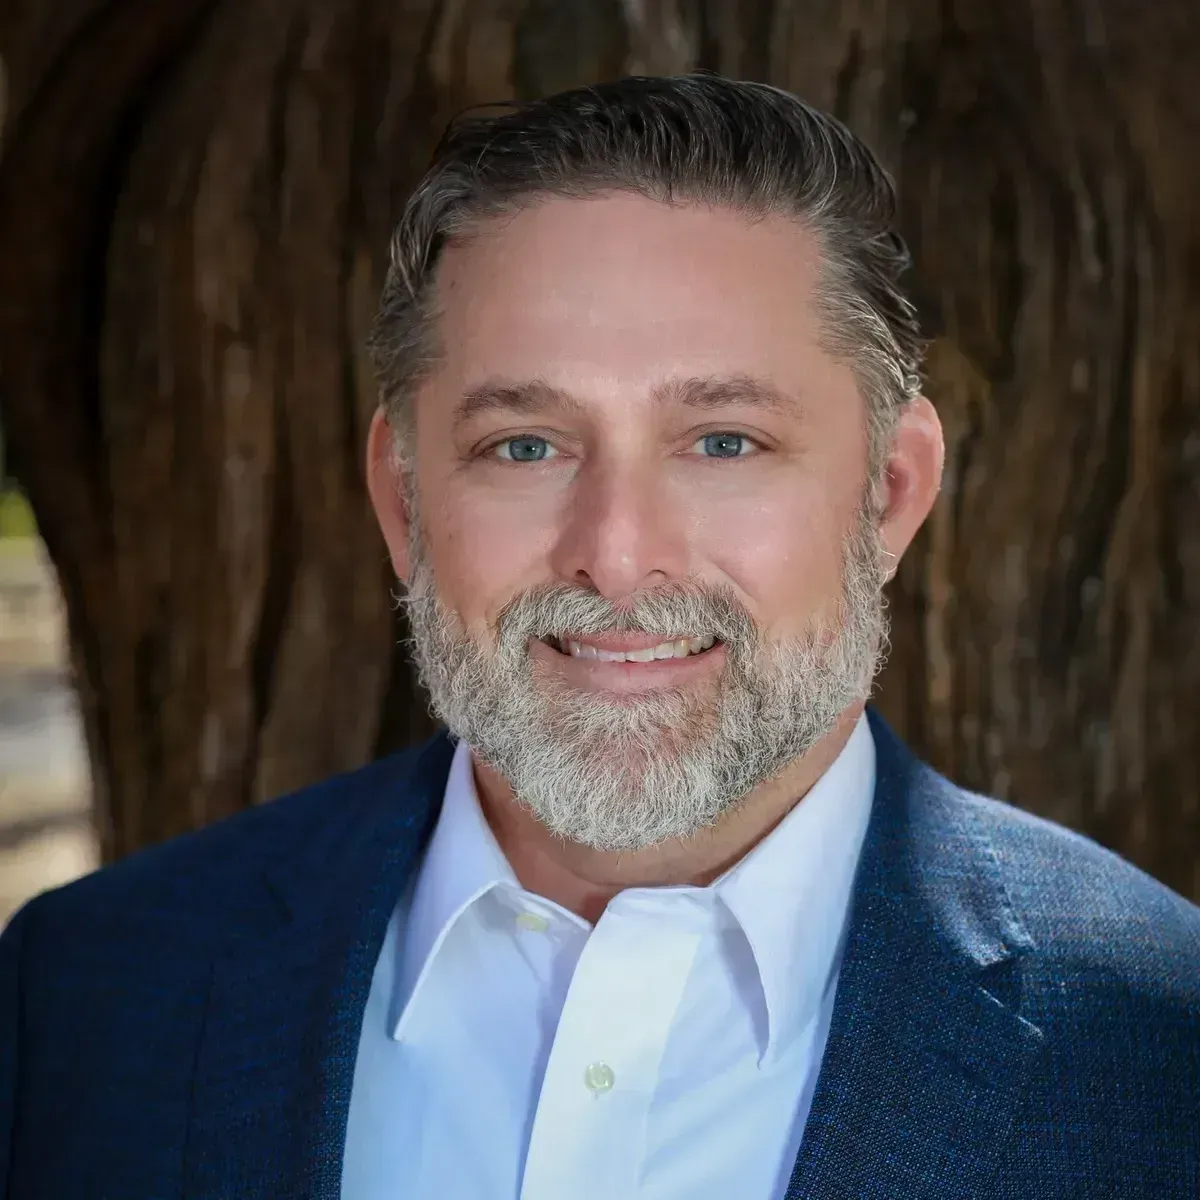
x=590, y=674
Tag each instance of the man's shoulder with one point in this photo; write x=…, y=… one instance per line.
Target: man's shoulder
x=1093, y=917
x=1106, y=969
x=199, y=882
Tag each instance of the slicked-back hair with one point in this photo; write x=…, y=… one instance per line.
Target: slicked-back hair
x=699, y=139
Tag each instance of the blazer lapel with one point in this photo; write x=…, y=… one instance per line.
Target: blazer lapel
x=927, y=1050
x=276, y=1057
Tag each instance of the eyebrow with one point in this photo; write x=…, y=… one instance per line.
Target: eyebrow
x=725, y=391
x=497, y=395
x=535, y=395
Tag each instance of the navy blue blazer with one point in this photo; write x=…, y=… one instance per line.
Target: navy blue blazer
x=1018, y=1014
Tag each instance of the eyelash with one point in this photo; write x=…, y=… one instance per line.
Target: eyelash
x=494, y=448
x=730, y=433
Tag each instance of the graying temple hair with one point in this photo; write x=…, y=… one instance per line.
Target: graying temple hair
x=694, y=138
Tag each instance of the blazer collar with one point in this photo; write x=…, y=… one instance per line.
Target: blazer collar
x=927, y=1048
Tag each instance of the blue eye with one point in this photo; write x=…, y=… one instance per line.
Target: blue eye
x=726, y=445
x=525, y=449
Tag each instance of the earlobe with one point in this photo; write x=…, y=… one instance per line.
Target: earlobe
x=386, y=489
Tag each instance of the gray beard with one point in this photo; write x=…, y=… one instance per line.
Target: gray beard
x=627, y=772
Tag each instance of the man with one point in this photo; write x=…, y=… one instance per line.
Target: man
x=670, y=915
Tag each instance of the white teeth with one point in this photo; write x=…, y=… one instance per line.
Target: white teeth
x=680, y=648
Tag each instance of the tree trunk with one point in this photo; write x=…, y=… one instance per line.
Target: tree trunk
x=195, y=201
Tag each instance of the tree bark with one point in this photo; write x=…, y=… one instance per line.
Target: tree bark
x=195, y=201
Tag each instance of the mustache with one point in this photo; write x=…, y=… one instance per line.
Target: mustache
x=672, y=610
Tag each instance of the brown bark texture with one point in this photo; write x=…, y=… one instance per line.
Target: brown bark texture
x=195, y=201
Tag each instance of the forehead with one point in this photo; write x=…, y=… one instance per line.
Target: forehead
x=632, y=291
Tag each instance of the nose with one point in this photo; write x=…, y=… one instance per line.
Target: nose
x=624, y=533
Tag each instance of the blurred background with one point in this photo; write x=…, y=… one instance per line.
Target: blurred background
x=195, y=202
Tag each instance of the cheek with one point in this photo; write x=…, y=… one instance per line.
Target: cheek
x=781, y=550
x=485, y=550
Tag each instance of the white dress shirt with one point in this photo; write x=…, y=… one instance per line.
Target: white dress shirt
x=510, y=1050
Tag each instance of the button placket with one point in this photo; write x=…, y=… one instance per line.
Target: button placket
x=603, y=1064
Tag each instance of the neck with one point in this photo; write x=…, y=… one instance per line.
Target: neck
x=583, y=880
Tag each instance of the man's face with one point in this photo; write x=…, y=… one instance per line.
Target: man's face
x=635, y=437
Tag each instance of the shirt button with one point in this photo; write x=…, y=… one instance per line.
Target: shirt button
x=599, y=1077
x=533, y=922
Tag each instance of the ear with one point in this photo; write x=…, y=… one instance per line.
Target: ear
x=385, y=485
x=913, y=476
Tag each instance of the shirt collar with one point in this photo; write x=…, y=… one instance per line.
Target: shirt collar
x=462, y=863
x=791, y=894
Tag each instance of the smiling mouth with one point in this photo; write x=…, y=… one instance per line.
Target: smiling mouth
x=684, y=647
